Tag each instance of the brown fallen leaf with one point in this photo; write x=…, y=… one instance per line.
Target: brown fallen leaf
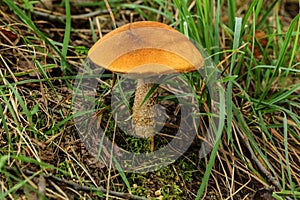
x=261, y=38
x=7, y=34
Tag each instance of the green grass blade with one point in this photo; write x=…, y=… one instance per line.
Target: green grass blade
x=20, y=183
x=283, y=51
x=122, y=174
x=264, y=18
x=248, y=13
x=216, y=29
x=295, y=45
x=20, y=100
x=284, y=96
x=215, y=148
x=186, y=17
x=237, y=35
x=231, y=13
x=9, y=107
x=46, y=78
x=3, y=121
x=66, y=36
x=258, y=10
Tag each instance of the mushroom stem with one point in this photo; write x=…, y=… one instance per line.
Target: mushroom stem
x=144, y=111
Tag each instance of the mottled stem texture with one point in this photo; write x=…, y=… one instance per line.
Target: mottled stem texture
x=144, y=111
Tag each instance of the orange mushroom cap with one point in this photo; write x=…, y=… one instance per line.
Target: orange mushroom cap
x=146, y=48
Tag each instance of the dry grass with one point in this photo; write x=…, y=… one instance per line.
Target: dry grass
x=41, y=152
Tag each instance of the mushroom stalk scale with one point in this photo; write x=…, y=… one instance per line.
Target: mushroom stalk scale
x=144, y=110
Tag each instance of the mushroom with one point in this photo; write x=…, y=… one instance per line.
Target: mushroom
x=147, y=50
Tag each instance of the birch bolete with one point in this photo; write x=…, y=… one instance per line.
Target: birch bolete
x=145, y=49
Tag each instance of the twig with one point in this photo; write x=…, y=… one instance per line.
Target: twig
x=269, y=176
x=110, y=13
x=53, y=17
x=78, y=187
